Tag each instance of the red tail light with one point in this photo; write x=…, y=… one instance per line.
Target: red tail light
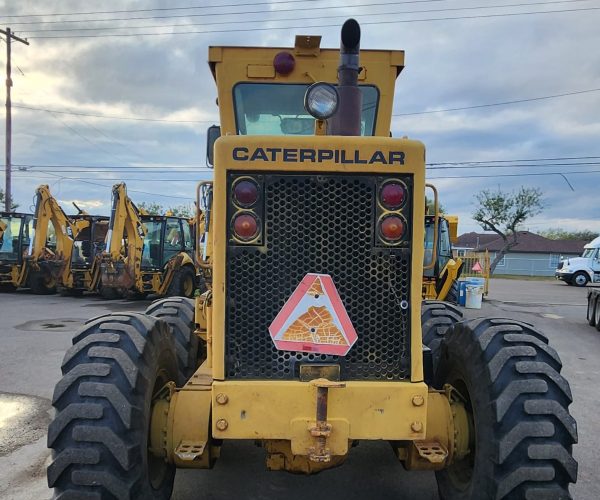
x=245, y=192
x=392, y=228
x=392, y=195
x=245, y=226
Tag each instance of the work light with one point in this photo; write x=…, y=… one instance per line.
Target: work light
x=321, y=100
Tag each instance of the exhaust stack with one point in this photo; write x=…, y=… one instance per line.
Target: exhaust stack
x=346, y=121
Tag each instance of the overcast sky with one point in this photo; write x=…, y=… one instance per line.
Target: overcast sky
x=450, y=63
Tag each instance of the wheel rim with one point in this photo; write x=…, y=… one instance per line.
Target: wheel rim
x=580, y=279
x=461, y=471
x=157, y=467
x=188, y=285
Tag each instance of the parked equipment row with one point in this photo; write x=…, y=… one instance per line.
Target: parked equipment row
x=130, y=254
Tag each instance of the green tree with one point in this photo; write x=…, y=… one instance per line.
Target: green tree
x=503, y=212
x=430, y=208
x=14, y=206
x=153, y=208
x=564, y=234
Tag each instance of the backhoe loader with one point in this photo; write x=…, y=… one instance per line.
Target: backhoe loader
x=15, y=233
x=146, y=253
x=440, y=276
x=49, y=240
x=311, y=337
x=82, y=272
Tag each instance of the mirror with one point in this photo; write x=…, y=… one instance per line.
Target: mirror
x=212, y=134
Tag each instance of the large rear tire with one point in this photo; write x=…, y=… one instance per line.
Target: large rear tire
x=100, y=434
x=183, y=283
x=178, y=313
x=7, y=288
x=436, y=318
x=452, y=296
x=591, y=309
x=522, y=433
x=42, y=283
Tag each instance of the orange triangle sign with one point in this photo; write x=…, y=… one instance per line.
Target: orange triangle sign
x=314, y=319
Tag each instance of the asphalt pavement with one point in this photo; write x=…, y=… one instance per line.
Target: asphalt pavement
x=35, y=332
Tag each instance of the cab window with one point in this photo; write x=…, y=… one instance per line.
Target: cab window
x=278, y=109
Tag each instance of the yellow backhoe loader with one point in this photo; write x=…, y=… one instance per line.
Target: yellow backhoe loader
x=311, y=336
x=15, y=233
x=82, y=272
x=441, y=269
x=146, y=254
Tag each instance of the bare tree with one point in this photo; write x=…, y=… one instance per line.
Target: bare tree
x=503, y=212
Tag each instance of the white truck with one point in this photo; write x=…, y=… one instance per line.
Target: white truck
x=579, y=271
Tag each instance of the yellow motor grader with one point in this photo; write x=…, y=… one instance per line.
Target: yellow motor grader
x=146, y=253
x=311, y=337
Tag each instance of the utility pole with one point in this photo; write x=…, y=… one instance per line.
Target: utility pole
x=7, y=194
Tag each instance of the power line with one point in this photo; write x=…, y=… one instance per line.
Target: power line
x=163, y=9
x=270, y=28
x=269, y=11
x=111, y=117
x=197, y=166
x=560, y=158
x=81, y=180
x=503, y=103
x=488, y=105
x=550, y=165
x=476, y=176
x=524, y=174
x=245, y=21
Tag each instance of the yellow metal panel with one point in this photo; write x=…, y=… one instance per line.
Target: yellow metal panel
x=413, y=163
x=267, y=409
x=261, y=71
x=230, y=65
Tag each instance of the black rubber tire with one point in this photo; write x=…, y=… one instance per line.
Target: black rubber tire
x=597, y=315
x=523, y=432
x=582, y=275
x=436, y=318
x=179, y=313
x=591, y=309
x=70, y=292
x=41, y=283
x=99, y=436
x=109, y=293
x=183, y=283
x=452, y=296
x=7, y=288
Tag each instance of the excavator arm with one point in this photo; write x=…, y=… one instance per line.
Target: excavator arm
x=124, y=242
x=39, y=258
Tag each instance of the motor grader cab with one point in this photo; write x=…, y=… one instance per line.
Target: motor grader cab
x=311, y=338
x=146, y=253
x=15, y=233
x=441, y=270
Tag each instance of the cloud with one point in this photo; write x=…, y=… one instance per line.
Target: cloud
x=449, y=64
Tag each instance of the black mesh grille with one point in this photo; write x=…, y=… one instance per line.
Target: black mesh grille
x=319, y=224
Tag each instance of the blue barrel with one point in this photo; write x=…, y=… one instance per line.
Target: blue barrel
x=462, y=291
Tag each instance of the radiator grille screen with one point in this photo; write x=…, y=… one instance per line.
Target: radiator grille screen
x=318, y=224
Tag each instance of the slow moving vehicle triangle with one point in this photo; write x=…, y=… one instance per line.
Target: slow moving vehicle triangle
x=314, y=319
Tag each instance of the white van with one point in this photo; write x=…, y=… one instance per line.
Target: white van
x=579, y=271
